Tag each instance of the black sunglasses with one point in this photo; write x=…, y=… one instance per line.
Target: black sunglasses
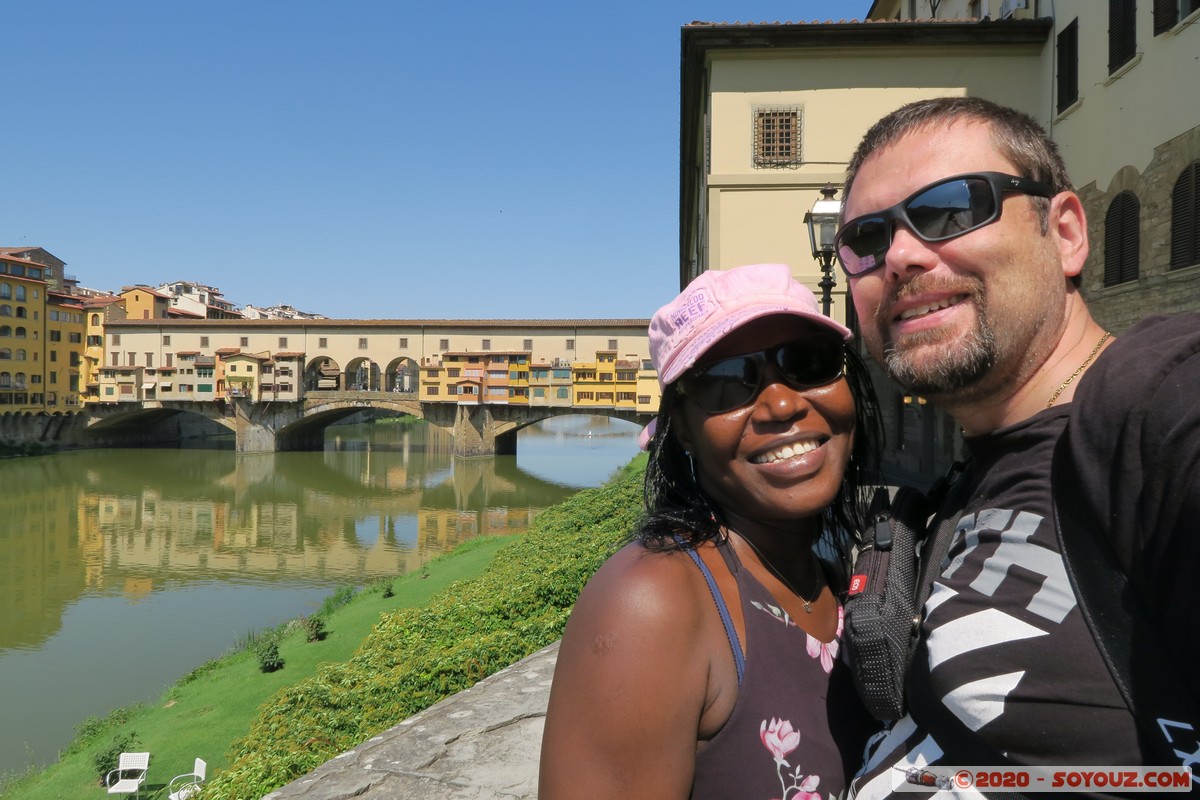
x=734, y=382
x=940, y=211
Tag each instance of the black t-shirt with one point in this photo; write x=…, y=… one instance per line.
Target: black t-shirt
x=1006, y=663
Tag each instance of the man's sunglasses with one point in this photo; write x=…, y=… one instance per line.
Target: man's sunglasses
x=735, y=382
x=940, y=211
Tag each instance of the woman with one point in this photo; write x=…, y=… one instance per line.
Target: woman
x=701, y=659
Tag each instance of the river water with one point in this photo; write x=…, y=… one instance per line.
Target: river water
x=122, y=570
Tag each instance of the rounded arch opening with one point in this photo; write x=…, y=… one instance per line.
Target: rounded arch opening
x=322, y=373
x=402, y=375
x=362, y=375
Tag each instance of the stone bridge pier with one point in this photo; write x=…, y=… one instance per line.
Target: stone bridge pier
x=480, y=430
x=271, y=427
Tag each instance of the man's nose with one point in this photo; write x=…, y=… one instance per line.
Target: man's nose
x=907, y=255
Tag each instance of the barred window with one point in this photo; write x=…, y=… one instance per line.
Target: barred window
x=777, y=137
x=1121, y=240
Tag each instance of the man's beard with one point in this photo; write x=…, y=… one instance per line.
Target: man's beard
x=939, y=364
x=958, y=363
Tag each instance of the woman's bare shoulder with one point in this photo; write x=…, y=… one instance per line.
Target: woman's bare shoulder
x=645, y=586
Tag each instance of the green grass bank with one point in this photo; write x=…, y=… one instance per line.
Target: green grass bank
x=465, y=616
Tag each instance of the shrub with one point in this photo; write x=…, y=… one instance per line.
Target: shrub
x=314, y=628
x=266, y=649
x=106, y=760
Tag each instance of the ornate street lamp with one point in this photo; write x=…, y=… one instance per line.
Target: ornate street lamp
x=822, y=224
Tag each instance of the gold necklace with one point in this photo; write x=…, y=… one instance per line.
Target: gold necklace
x=1079, y=369
x=817, y=582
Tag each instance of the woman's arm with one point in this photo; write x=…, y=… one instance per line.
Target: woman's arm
x=634, y=679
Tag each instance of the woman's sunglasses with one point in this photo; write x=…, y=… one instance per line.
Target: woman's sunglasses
x=940, y=211
x=734, y=382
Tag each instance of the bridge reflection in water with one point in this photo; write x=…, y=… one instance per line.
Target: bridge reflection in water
x=120, y=570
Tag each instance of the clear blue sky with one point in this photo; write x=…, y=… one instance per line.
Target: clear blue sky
x=359, y=159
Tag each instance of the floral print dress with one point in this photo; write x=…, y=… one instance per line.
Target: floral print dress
x=797, y=728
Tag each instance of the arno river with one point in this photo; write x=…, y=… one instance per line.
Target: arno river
x=121, y=570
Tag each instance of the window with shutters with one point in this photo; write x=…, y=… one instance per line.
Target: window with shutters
x=1122, y=33
x=1068, y=65
x=1185, y=218
x=777, y=137
x=1121, y=240
x=1167, y=13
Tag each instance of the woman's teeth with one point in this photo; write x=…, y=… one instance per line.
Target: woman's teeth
x=787, y=451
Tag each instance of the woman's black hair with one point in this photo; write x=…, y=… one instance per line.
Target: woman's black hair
x=680, y=515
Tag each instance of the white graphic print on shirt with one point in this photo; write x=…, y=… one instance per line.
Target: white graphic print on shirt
x=999, y=609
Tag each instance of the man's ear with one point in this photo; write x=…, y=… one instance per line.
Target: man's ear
x=1068, y=223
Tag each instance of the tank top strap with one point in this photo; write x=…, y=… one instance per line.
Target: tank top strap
x=730, y=556
x=739, y=659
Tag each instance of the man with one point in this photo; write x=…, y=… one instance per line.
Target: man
x=963, y=243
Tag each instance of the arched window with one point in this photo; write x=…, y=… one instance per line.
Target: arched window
x=20, y=334
x=22, y=312
x=5, y=330
x=5, y=310
x=1185, y=218
x=1121, y=239
x=21, y=293
x=20, y=354
x=5, y=291
x=5, y=354
x=95, y=319
x=19, y=383
x=5, y=380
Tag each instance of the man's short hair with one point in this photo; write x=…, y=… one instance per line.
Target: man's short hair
x=1017, y=136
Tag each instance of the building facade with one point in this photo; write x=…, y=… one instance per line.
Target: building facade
x=65, y=329
x=601, y=364
x=23, y=292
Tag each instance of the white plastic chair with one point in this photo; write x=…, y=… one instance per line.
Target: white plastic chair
x=184, y=786
x=129, y=775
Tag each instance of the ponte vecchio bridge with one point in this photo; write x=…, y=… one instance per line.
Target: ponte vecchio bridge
x=277, y=384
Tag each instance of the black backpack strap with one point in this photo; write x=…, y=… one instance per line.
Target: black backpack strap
x=879, y=632
x=1166, y=712
x=948, y=495
x=892, y=578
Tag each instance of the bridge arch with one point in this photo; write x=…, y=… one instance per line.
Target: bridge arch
x=307, y=430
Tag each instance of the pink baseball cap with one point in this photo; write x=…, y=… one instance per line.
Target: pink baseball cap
x=719, y=302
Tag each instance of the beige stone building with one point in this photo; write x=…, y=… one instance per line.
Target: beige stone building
x=770, y=114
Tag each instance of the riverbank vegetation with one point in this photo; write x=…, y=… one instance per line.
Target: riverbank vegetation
x=392, y=650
